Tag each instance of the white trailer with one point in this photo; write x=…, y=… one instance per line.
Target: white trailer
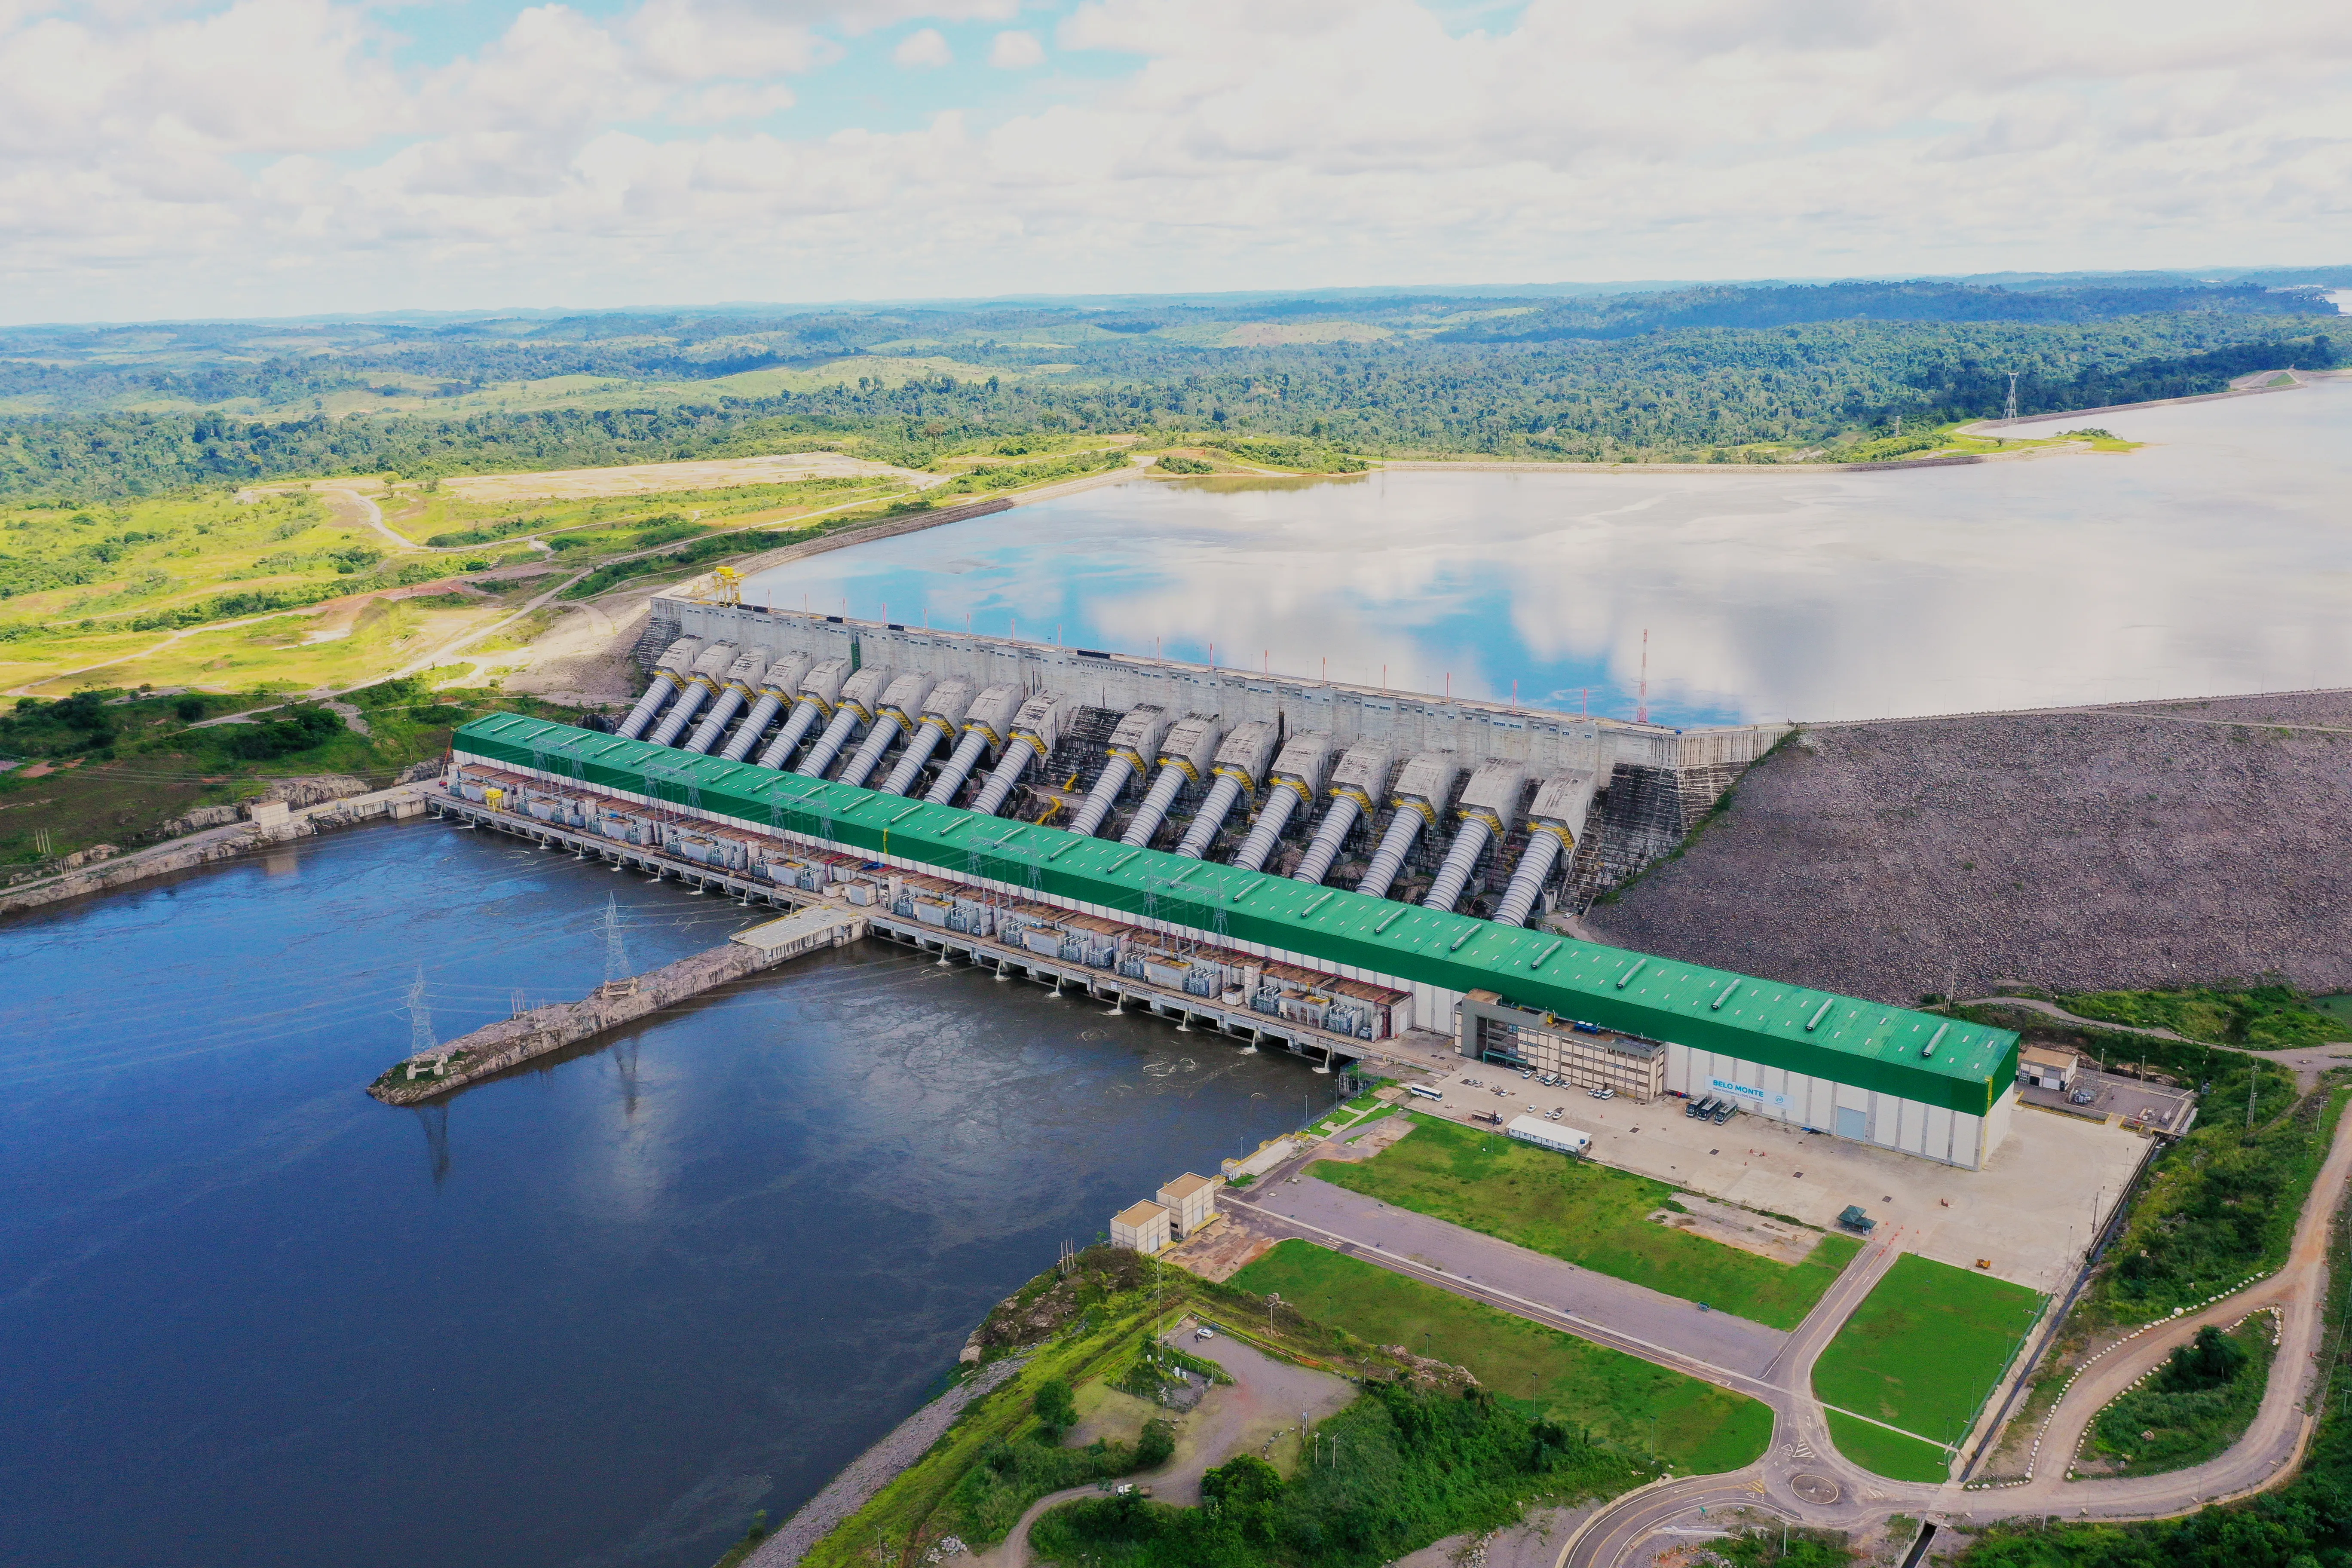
x=1545, y=1135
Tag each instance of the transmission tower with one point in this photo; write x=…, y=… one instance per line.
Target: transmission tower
x=2009, y=412
x=420, y=1018
x=1641, y=703
x=616, y=956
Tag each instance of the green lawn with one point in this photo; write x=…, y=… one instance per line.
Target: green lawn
x=1696, y=1425
x=1888, y=1454
x=1588, y=1214
x=1925, y=1348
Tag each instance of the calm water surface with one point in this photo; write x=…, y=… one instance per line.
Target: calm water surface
x=590, y=1315
x=2217, y=560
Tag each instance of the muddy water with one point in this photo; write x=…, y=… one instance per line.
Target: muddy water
x=593, y=1313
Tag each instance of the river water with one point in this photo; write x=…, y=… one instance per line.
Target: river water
x=590, y=1315
x=2216, y=560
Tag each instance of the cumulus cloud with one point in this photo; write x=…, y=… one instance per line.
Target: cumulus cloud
x=164, y=165
x=923, y=51
x=1017, y=51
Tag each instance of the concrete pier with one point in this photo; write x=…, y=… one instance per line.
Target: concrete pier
x=497, y=1047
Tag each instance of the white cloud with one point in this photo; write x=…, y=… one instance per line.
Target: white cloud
x=732, y=101
x=157, y=166
x=1017, y=51
x=924, y=50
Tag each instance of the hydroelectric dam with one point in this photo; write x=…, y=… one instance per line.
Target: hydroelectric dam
x=1290, y=862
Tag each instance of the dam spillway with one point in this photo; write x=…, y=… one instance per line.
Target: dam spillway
x=1505, y=812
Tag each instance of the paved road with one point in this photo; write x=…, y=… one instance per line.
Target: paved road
x=1805, y=1476
x=1336, y=1216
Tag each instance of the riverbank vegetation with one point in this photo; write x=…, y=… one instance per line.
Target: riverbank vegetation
x=1426, y=1451
x=1398, y=1468
x=111, y=766
x=1765, y=374
x=2259, y=1017
x=2198, y=1403
x=1588, y=1214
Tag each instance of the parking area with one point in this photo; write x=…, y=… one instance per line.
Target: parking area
x=2119, y=1097
x=2028, y=1215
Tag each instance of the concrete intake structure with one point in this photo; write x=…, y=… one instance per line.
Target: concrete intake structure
x=1561, y=800
x=861, y=694
x=710, y=666
x=1361, y=778
x=1186, y=756
x=1034, y=731
x=1650, y=783
x=743, y=679
x=670, y=671
x=1240, y=768
x=820, y=687
x=987, y=729
x=1422, y=790
x=1137, y=737
x=1936, y=1087
x=943, y=714
x=1299, y=775
x=776, y=688
x=1490, y=806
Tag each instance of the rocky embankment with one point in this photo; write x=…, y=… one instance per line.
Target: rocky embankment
x=290, y=809
x=2144, y=845
x=509, y=1042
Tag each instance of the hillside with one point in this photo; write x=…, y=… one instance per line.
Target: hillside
x=2132, y=845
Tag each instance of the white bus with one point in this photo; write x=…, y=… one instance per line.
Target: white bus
x=1422, y=1091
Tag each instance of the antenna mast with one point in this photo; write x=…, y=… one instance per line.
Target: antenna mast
x=1642, y=704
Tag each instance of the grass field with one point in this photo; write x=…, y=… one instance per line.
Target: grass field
x=1696, y=1425
x=1588, y=1214
x=1888, y=1454
x=1925, y=1348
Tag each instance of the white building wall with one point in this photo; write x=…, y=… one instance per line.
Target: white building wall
x=1786, y=1096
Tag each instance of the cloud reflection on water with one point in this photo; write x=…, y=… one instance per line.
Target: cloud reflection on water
x=2214, y=561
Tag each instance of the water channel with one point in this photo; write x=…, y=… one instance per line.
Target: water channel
x=2217, y=559
x=592, y=1314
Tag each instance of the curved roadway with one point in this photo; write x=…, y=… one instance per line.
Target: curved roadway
x=1806, y=1479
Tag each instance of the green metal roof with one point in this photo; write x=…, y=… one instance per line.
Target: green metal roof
x=1867, y=1044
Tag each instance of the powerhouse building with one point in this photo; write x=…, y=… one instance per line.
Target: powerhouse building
x=1933, y=1087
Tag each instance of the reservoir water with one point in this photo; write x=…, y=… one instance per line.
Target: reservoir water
x=591, y=1314
x=2218, y=559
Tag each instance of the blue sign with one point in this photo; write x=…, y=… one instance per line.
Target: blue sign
x=1727, y=1087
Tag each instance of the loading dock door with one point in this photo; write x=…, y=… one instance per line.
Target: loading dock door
x=1854, y=1124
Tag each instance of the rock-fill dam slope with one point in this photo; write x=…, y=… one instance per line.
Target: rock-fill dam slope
x=2138, y=845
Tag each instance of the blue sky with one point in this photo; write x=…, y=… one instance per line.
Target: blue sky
x=282, y=156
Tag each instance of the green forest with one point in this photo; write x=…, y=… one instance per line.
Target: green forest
x=1716, y=374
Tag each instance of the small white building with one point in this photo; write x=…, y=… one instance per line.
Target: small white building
x=1543, y=1134
x=2039, y=1067
x=1190, y=1201
x=1143, y=1229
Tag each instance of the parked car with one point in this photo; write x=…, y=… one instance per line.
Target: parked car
x=1205, y=1332
x=1604, y=1092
